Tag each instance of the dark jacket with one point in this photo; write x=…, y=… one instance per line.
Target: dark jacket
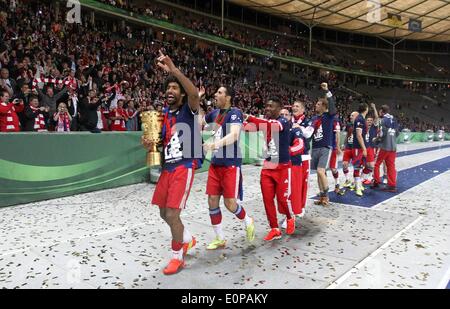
x=30, y=118
x=51, y=101
x=88, y=114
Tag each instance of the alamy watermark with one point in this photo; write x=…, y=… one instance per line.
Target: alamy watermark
x=74, y=14
x=374, y=14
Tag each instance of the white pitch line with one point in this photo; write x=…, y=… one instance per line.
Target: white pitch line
x=398, y=195
x=445, y=280
x=359, y=266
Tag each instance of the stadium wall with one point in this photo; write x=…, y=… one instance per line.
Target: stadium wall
x=36, y=167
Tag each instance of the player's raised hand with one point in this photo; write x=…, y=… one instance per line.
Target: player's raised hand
x=201, y=92
x=165, y=63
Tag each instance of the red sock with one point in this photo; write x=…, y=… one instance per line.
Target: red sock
x=240, y=213
x=216, y=216
x=177, y=246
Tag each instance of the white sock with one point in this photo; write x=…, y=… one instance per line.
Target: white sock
x=187, y=237
x=346, y=177
x=219, y=232
x=178, y=255
x=247, y=220
x=284, y=223
x=358, y=184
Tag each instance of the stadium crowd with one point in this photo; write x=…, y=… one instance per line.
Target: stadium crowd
x=67, y=77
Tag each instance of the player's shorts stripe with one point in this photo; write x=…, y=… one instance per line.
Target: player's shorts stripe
x=291, y=212
x=237, y=183
x=186, y=190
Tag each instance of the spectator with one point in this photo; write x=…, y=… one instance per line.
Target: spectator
x=7, y=83
x=50, y=99
x=35, y=116
x=62, y=118
x=119, y=117
x=132, y=113
x=89, y=116
x=73, y=110
x=102, y=116
x=9, y=120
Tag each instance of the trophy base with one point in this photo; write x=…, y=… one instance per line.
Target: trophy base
x=154, y=159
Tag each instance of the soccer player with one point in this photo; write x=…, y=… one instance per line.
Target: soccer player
x=276, y=172
x=322, y=142
x=183, y=154
x=387, y=140
x=336, y=153
x=372, y=133
x=359, y=147
x=348, y=151
x=296, y=150
x=299, y=121
x=225, y=176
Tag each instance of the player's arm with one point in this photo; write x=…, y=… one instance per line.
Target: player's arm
x=297, y=147
x=231, y=138
x=264, y=124
x=308, y=131
x=167, y=64
x=338, y=141
x=375, y=112
x=360, y=138
x=331, y=101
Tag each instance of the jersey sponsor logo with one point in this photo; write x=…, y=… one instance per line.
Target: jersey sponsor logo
x=218, y=137
x=272, y=149
x=350, y=139
x=391, y=132
x=319, y=134
x=174, y=149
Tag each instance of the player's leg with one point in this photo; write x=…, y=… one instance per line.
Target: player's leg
x=179, y=187
x=334, y=170
x=391, y=171
x=376, y=174
x=231, y=181
x=177, y=229
x=305, y=188
x=348, y=156
x=214, y=191
x=284, y=197
x=368, y=169
x=357, y=166
x=324, y=160
x=268, y=189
